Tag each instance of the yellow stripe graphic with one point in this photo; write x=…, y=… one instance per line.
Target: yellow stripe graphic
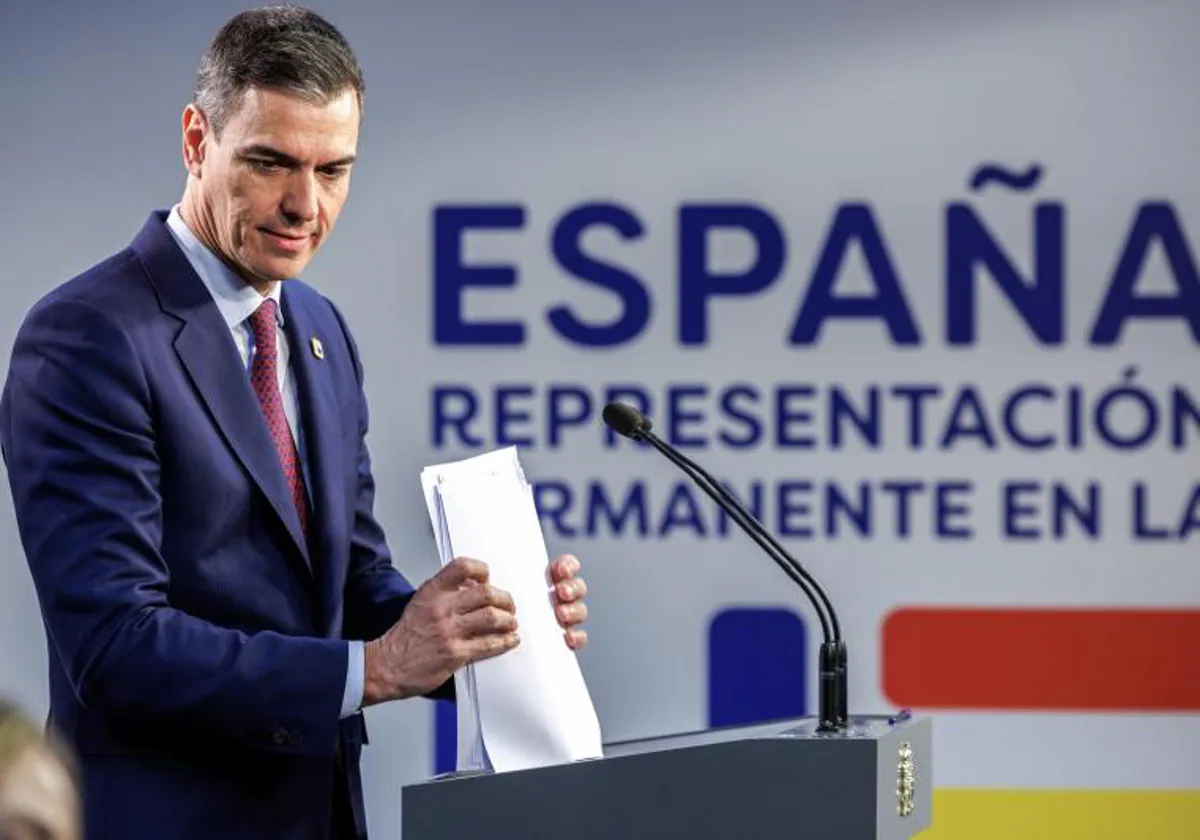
x=969, y=814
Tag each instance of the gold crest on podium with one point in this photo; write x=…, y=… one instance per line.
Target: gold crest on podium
x=906, y=778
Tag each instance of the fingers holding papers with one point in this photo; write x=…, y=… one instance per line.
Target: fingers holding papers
x=484, y=595
x=569, y=591
x=454, y=618
x=459, y=572
x=576, y=639
x=486, y=622
x=564, y=568
x=457, y=617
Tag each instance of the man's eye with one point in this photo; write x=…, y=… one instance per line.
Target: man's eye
x=266, y=165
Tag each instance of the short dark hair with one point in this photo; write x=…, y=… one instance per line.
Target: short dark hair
x=286, y=48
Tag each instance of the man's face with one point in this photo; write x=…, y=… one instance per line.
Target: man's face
x=272, y=186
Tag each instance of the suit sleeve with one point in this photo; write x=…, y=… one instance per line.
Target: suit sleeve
x=79, y=442
x=376, y=593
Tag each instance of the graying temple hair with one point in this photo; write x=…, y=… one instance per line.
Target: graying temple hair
x=286, y=48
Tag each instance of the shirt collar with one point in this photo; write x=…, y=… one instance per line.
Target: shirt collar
x=235, y=298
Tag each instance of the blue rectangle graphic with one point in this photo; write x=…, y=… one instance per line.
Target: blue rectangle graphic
x=757, y=666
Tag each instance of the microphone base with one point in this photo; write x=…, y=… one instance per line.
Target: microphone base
x=843, y=687
x=832, y=689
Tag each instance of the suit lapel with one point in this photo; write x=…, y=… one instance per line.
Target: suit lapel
x=321, y=420
x=210, y=357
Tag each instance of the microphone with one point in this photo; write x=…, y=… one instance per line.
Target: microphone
x=832, y=695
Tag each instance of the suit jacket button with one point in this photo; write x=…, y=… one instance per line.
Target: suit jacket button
x=295, y=738
x=279, y=737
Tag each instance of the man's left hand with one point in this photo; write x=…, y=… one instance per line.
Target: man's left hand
x=569, y=608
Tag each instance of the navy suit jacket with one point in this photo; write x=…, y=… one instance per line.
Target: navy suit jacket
x=196, y=653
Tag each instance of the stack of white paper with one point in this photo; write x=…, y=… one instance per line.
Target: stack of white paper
x=528, y=707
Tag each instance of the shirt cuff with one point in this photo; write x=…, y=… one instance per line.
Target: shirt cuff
x=355, y=668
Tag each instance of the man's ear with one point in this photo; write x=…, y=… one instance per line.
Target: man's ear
x=195, y=139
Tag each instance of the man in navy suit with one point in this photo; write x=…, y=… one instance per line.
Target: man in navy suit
x=184, y=430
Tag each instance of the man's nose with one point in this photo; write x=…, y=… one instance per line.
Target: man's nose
x=300, y=198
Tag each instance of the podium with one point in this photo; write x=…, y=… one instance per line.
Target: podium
x=871, y=781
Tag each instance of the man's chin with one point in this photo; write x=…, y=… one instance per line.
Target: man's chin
x=279, y=269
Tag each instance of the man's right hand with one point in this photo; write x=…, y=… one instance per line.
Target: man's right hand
x=454, y=618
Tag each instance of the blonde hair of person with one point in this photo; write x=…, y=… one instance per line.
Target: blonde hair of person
x=39, y=791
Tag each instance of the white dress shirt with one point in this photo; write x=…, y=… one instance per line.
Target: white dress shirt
x=237, y=300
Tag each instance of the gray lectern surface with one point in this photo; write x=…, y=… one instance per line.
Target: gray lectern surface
x=783, y=779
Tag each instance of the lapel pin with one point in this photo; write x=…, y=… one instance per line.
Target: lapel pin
x=318, y=348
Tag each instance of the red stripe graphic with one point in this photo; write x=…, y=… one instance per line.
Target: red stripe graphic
x=1042, y=659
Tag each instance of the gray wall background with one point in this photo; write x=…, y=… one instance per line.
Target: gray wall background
x=797, y=105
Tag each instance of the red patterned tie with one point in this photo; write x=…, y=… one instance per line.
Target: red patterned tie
x=264, y=376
